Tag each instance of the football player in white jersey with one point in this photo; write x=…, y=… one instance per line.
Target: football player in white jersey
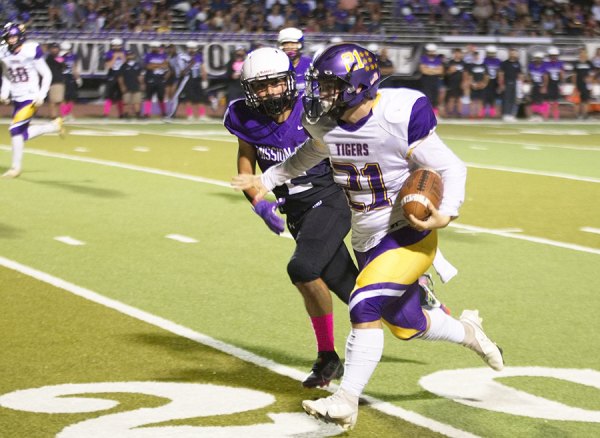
x=373, y=138
x=23, y=65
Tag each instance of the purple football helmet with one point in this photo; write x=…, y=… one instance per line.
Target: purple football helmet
x=340, y=77
x=13, y=29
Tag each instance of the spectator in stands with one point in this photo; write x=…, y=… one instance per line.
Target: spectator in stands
x=492, y=65
x=454, y=77
x=477, y=78
x=131, y=83
x=275, y=18
x=509, y=74
x=156, y=65
x=556, y=72
x=583, y=79
x=482, y=12
x=113, y=60
x=432, y=69
x=291, y=42
x=72, y=78
x=234, y=71
x=56, y=63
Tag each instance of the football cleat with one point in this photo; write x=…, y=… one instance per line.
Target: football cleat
x=340, y=408
x=58, y=123
x=485, y=347
x=428, y=298
x=327, y=367
x=13, y=172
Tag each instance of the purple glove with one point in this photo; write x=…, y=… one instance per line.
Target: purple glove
x=266, y=210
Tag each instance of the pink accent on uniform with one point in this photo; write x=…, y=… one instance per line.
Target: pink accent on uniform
x=163, y=108
x=492, y=112
x=189, y=111
x=201, y=111
x=323, y=327
x=120, y=107
x=147, y=108
x=64, y=109
x=107, y=106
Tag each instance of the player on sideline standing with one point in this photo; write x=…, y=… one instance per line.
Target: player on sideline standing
x=372, y=140
x=23, y=65
x=291, y=41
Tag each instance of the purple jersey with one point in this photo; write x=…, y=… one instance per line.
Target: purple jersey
x=428, y=61
x=300, y=70
x=70, y=59
x=118, y=56
x=536, y=73
x=274, y=142
x=554, y=68
x=493, y=65
x=156, y=59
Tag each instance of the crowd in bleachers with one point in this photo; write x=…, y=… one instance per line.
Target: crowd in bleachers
x=483, y=17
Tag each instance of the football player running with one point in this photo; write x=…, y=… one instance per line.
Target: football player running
x=268, y=125
x=373, y=139
x=23, y=65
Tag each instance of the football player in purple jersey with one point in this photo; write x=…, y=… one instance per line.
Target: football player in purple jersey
x=25, y=83
x=555, y=70
x=156, y=63
x=73, y=79
x=268, y=125
x=291, y=41
x=373, y=138
x=113, y=60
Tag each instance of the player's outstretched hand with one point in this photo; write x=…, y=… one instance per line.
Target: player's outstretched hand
x=246, y=181
x=266, y=210
x=435, y=220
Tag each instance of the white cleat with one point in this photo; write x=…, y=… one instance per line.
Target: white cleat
x=488, y=350
x=58, y=123
x=340, y=408
x=13, y=172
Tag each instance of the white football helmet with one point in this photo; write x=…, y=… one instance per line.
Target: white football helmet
x=263, y=66
x=553, y=51
x=191, y=45
x=65, y=46
x=116, y=42
x=491, y=49
x=291, y=35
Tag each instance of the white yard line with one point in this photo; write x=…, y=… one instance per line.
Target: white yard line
x=232, y=350
x=224, y=184
x=69, y=240
x=181, y=238
x=520, y=143
x=590, y=230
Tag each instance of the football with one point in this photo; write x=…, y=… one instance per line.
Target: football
x=421, y=185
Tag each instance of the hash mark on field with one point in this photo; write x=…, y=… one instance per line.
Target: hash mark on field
x=181, y=238
x=478, y=148
x=81, y=149
x=532, y=148
x=590, y=230
x=69, y=240
x=200, y=149
x=141, y=149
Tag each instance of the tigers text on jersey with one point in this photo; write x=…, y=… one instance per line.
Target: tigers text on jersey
x=371, y=160
x=23, y=70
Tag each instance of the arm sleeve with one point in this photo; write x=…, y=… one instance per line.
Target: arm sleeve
x=44, y=71
x=305, y=157
x=431, y=152
x=5, y=89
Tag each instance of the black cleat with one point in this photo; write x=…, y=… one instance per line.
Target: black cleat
x=327, y=367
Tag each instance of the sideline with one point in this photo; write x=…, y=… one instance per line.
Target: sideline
x=200, y=179
x=247, y=356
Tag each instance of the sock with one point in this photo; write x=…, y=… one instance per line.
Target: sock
x=555, y=112
x=201, y=111
x=323, y=327
x=120, y=107
x=18, y=144
x=70, y=107
x=147, y=108
x=37, y=130
x=64, y=109
x=364, y=348
x=492, y=112
x=163, y=108
x=443, y=327
x=107, y=106
x=189, y=111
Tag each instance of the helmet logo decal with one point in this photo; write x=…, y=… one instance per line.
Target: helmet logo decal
x=356, y=60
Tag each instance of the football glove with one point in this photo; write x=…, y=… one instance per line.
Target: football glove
x=79, y=82
x=266, y=210
x=204, y=84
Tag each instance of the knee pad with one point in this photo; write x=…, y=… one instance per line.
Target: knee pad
x=301, y=271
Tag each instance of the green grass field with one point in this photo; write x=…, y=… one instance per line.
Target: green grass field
x=141, y=297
